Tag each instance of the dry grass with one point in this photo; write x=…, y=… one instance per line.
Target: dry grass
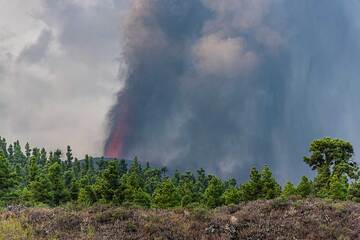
x=12, y=228
x=275, y=219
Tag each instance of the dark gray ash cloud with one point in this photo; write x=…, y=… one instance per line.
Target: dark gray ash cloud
x=228, y=85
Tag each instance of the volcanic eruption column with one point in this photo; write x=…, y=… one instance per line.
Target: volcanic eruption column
x=230, y=84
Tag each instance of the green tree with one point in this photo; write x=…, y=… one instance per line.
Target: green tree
x=141, y=198
x=134, y=178
x=202, y=180
x=33, y=169
x=322, y=181
x=68, y=177
x=86, y=196
x=107, y=184
x=152, y=177
x=86, y=166
x=101, y=163
x=213, y=193
x=3, y=147
x=60, y=195
x=69, y=157
x=19, y=157
x=10, y=151
x=338, y=188
x=270, y=188
x=43, y=157
x=230, y=183
x=8, y=180
x=252, y=189
x=122, y=167
x=331, y=157
x=231, y=196
x=166, y=195
x=27, y=151
x=354, y=192
x=305, y=187
x=74, y=189
x=57, y=156
x=289, y=190
x=41, y=190
x=77, y=168
x=188, y=190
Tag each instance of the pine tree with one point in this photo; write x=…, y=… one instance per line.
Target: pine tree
x=338, y=188
x=3, y=147
x=107, y=184
x=134, y=178
x=91, y=166
x=40, y=189
x=77, y=168
x=19, y=157
x=60, y=195
x=57, y=156
x=122, y=167
x=141, y=198
x=213, y=193
x=10, y=154
x=86, y=196
x=188, y=191
x=252, y=189
x=270, y=188
x=166, y=195
x=32, y=170
x=202, y=180
x=101, y=163
x=331, y=157
x=354, y=192
x=86, y=167
x=43, y=157
x=176, y=178
x=231, y=196
x=27, y=151
x=289, y=190
x=231, y=183
x=69, y=157
x=8, y=180
x=74, y=189
x=152, y=178
x=322, y=181
x=305, y=187
x=68, y=178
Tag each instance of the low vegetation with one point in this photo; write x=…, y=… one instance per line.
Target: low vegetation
x=292, y=218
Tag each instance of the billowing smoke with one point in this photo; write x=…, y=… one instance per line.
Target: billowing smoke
x=227, y=85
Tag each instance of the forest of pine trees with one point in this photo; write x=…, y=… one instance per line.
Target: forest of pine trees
x=32, y=176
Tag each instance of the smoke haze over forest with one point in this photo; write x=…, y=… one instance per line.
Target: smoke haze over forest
x=223, y=85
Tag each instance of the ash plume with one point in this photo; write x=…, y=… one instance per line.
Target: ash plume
x=227, y=85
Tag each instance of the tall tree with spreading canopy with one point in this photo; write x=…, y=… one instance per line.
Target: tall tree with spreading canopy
x=331, y=157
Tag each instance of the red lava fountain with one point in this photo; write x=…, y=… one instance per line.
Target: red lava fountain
x=115, y=146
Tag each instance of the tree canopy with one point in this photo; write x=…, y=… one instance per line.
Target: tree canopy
x=35, y=176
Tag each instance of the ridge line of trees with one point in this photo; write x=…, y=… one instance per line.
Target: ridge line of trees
x=34, y=177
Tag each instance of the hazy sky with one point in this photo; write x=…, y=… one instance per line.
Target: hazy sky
x=59, y=65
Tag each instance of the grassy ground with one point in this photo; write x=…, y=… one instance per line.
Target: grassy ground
x=275, y=219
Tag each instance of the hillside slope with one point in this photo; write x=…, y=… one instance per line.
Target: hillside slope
x=274, y=219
